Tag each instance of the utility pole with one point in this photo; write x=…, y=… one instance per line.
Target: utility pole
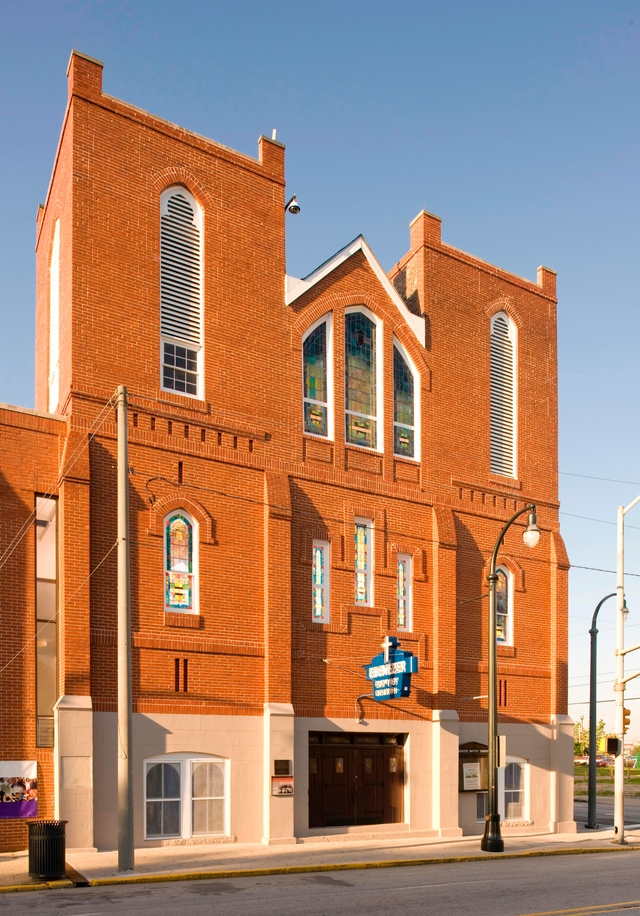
x=125, y=767
x=621, y=680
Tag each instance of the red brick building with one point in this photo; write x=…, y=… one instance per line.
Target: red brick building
x=316, y=464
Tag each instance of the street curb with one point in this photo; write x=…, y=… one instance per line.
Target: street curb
x=49, y=885
x=307, y=869
x=346, y=866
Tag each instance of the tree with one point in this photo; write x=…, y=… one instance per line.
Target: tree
x=581, y=742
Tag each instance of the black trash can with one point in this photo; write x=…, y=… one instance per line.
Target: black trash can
x=47, y=849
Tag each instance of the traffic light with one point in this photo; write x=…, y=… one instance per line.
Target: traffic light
x=613, y=746
x=626, y=719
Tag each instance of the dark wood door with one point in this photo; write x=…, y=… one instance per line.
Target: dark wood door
x=369, y=785
x=351, y=785
x=338, y=801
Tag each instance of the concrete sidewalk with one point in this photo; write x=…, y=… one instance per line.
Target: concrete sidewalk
x=174, y=863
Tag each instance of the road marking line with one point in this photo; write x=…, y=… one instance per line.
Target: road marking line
x=414, y=887
x=591, y=910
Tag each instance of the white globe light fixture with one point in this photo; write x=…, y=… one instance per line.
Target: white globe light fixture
x=531, y=534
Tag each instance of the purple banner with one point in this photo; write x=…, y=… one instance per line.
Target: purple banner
x=19, y=808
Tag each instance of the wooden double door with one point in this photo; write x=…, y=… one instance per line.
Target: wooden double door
x=351, y=785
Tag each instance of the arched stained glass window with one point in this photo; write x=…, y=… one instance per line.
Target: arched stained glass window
x=315, y=369
x=503, y=607
x=360, y=380
x=179, y=564
x=403, y=406
x=503, y=403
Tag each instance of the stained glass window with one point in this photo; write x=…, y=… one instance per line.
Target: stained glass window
x=360, y=380
x=503, y=634
x=179, y=564
x=363, y=539
x=403, y=592
x=314, y=358
x=403, y=407
x=320, y=581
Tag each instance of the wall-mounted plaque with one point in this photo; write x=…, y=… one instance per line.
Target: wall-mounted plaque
x=282, y=786
x=282, y=767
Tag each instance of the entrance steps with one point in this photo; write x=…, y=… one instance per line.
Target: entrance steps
x=366, y=833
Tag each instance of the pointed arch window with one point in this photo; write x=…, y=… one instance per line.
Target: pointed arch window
x=180, y=564
x=362, y=380
x=317, y=379
x=181, y=292
x=504, y=612
x=405, y=404
x=503, y=396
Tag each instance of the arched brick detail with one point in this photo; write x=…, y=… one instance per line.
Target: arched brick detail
x=177, y=174
x=341, y=301
x=514, y=568
x=163, y=506
x=504, y=304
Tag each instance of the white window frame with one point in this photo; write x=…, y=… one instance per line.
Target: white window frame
x=509, y=576
x=54, y=320
x=408, y=559
x=526, y=778
x=328, y=320
x=190, y=345
x=502, y=801
x=379, y=352
x=326, y=587
x=417, y=403
x=513, y=337
x=186, y=761
x=368, y=523
x=196, y=567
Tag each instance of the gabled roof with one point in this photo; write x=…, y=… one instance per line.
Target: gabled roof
x=294, y=288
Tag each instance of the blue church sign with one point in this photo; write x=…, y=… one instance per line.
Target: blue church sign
x=391, y=671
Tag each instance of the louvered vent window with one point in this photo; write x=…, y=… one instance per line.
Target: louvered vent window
x=503, y=431
x=180, y=291
x=54, y=321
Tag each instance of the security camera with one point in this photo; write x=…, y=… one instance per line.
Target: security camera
x=292, y=206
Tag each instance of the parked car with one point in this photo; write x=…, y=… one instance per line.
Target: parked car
x=601, y=760
x=581, y=761
x=630, y=760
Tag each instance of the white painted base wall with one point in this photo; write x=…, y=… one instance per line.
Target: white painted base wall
x=432, y=804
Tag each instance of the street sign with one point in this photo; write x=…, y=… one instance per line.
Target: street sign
x=391, y=671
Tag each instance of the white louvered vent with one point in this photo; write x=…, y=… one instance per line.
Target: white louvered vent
x=54, y=321
x=502, y=398
x=180, y=309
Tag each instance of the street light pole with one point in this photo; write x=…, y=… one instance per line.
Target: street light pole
x=619, y=685
x=593, y=725
x=492, y=840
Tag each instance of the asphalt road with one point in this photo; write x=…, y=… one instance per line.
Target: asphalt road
x=586, y=885
x=604, y=811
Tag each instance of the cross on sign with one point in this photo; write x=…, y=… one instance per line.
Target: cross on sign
x=387, y=643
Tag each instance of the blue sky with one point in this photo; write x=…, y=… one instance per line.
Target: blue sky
x=516, y=123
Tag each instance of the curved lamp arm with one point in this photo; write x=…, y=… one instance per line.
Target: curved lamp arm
x=531, y=508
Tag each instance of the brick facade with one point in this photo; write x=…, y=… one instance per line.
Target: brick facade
x=259, y=489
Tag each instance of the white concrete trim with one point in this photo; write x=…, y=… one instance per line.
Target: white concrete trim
x=69, y=701
x=278, y=709
x=294, y=287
